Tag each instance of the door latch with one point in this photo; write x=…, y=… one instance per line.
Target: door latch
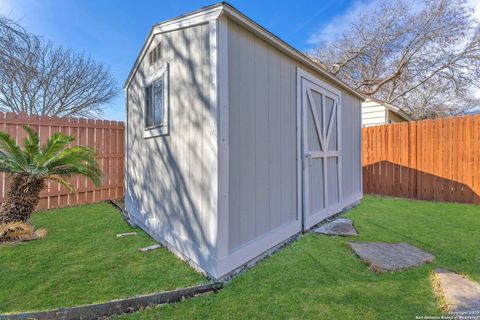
x=309, y=158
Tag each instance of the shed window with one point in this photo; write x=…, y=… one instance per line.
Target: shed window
x=156, y=103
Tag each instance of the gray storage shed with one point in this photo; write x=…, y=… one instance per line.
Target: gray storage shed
x=235, y=140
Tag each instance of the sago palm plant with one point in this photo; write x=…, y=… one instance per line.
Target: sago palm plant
x=33, y=164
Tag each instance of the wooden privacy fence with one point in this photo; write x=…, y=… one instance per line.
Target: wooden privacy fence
x=430, y=159
x=106, y=137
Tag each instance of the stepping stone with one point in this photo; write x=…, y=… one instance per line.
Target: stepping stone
x=338, y=227
x=150, y=248
x=461, y=296
x=121, y=235
x=385, y=257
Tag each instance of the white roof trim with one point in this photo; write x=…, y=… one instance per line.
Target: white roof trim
x=189, y=20
x=213, y=12
x=285, y=47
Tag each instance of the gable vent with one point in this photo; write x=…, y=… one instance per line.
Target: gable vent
x=155, y=54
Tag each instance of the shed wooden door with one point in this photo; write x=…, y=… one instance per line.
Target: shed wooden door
x=321, y=136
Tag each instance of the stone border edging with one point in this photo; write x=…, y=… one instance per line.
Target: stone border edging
x=116, y=307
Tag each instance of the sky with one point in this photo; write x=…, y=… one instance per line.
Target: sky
x=113, y=31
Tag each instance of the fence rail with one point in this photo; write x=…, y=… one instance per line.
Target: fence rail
x=429, y=160
x=106, y=137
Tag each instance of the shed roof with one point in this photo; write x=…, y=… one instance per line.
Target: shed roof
x=213, y=12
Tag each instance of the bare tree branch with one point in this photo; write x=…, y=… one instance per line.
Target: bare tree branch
x=37, y=77
x=423, y=56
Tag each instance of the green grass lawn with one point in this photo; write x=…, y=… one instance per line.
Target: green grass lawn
x=318, y=277
x=82, y=261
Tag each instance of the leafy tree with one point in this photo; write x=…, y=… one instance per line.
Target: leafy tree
x=33, y=164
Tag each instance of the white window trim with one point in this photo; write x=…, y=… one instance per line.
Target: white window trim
x=162, y=128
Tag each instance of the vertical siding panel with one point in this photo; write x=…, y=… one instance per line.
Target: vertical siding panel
x=189, y=123
x=183, y=125
x=262, y=127
x=234, y=74
x=175, y=54
x=195, y=153
x=290, y=106
x=275, y=111
x=350, y=151
x=248, y=143
x=204, y=67
x=262, y=140
x=171, y=188
x=205, y=175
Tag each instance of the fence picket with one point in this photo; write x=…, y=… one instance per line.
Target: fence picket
x=105, y=136
x=431, y=159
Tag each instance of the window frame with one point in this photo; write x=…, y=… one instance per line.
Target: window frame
x=162, y=128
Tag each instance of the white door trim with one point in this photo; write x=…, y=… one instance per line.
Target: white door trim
x=303, y=158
